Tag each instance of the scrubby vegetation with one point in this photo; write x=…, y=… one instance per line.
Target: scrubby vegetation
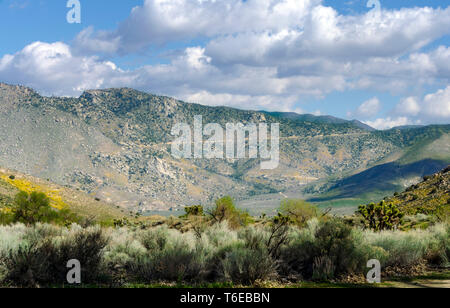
x=31, y=208
x=224, y=246
x=381, y=216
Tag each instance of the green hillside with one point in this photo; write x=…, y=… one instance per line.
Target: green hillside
x=430, y=196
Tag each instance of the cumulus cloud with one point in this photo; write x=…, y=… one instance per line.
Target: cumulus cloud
x=368, y=109
x=408, y=106
x=389, y=122
x=300, y=47
x=158, y=22
x=437, y=105
x=433, y=108
x=303, y=28
x=53, y=69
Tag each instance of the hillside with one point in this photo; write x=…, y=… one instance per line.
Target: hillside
x=430, y=196
x=83, y=205
x=425, y=151
x=114, y=144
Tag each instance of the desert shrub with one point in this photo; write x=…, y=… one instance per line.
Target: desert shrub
x=218, y=236
x=84, y=245
x=298, y=211
x=279, y=231
x=332, y=239
x=27, y=265
x=170, y=256
x=225, y=210
x=42, y=253
x=381, y=216
x=403, y=248
x=323, y=269
x=438, y=250
x=121, y=251
x=245, y=265
x=240, y=257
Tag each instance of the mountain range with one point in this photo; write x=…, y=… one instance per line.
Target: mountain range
x=114, y=145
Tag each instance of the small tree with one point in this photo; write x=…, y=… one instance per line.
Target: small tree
x=226, y=210
x=32, y=208
x=279, y=234
x=382, y=216
x=298, y=211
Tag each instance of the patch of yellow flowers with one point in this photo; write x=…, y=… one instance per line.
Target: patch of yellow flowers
x=26, y=186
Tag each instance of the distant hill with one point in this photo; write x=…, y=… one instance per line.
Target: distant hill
x=319, y=119
x=114, y=144
x=381, y=180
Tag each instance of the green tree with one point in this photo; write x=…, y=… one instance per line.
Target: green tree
x=33, y=208
x=226, y=210
x=298, y=211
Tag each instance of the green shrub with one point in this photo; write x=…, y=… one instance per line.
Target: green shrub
x=170, y=256
x=84, y=245
x=299, y=211
x=6, y=218
x=245, y=265
x=35, y=207
x=403, y=249
x=43, y=252
x=332, y=239
x=225, y=210
x=323, y=269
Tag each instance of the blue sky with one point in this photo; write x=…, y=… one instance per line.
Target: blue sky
x=307, y=56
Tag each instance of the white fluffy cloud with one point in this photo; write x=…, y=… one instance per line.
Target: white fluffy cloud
x=298, y=48
x=437, y=105
x=408, y=106
x=368, y=109
x=389, y=122
x=52, y=69
x=160, y=21
x=433, y=108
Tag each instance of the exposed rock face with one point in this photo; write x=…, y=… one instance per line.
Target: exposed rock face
x=116, y=144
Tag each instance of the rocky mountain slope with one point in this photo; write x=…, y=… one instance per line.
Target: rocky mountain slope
x=115, y=144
